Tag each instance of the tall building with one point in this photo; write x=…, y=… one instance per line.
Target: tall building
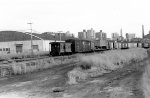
x=68, y=33
x=130, y=36
x=90, y=34
x=115, y=36
x=82, y=35
x=100, y=35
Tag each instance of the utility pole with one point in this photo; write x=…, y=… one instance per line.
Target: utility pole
x=121, y=34
x=142, y=31
x=31, y=38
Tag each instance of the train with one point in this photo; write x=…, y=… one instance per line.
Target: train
x=72, y=46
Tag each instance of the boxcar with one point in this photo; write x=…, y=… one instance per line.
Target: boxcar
x=123, y=45
x=101, y=44
x=139, y=45
x=86, y=45
x=68, y=48
x=78, y=45
x=75, y=45
x=113, y=44
x=145, y=45
x=119, y=45
x=132, y=45
x=92, y=46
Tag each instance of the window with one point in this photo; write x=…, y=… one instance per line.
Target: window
x=3, y=49
x=6, y=49
x=0, y=49
x=19, y=48
x=35, y=47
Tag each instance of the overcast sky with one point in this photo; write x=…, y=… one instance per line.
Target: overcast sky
x=76, y=15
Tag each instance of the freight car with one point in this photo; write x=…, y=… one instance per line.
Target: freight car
x=101, y=44
x=78, y=46
x=132, y=45
x=112, y=44
x=145, y=45
x=60, y=48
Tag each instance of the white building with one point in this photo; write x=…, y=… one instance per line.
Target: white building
x=115, y=36
x=90, y=35
x=13, y=42
x=100, y=35
x=130, y=36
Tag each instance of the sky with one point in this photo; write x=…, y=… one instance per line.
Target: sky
x=76, y=15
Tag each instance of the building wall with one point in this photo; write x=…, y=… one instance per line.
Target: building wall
x=90, y=34
x=130, y=36
x=43, y=45
x=101, y=35
x=82, y=35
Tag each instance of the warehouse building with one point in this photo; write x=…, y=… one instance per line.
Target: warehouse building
x=13, y=42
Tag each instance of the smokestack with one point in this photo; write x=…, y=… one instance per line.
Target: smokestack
x=142, y=31
x=121, y=32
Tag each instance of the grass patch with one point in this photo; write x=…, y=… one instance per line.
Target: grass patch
x=98, y=64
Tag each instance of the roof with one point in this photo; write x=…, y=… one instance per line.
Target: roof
x=147, y=36
x=6, y=36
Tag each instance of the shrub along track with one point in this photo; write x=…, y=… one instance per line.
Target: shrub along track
x=121, y=83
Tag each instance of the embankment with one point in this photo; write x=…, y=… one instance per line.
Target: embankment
x=99, y=64
x=15, y=68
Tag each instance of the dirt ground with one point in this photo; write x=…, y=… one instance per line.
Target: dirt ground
x=125, y=82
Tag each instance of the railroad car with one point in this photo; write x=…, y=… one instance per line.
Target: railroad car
x=78, y=45
x=60, y=48
x=86, y=45
x=139, y=45
x=92, y=46
x=116, y=45
x=113, y=44
x=101, y=44
x=119, y=45
x=124, y=45
x=145, y=45
x=132, y=44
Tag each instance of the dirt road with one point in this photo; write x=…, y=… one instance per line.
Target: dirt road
x=126, y=82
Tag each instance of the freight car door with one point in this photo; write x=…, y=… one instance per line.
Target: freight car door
x=67, y=47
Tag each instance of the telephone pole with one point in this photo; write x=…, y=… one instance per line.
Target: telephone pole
x=31, y=38
x=142, y=31
x=121, y=34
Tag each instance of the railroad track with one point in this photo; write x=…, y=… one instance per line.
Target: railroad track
x=7, y=61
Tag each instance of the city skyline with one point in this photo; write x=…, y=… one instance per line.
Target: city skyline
x=76, y=15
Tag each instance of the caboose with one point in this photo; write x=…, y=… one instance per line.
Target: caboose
x=60, y=48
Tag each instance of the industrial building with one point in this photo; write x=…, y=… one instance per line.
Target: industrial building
x=13, y=42
x=115, y=36
x=82, y=35
x=100, y=35
x=90, y=35
x=130, y=36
